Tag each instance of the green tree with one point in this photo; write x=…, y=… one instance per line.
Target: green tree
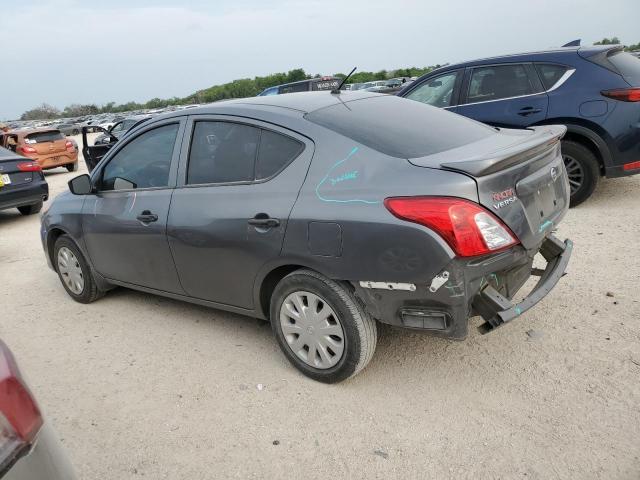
x=608, y=41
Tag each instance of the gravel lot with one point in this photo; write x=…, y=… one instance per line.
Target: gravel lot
x=139, y=385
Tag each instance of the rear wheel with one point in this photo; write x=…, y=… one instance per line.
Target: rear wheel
x=321, y=327
x=583, y=170
x=75, y=132
x=31, y=209
x=72, y=167
x=74, y=271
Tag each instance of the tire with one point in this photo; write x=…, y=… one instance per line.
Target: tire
x=31, y=209
x=349, y=320
x=72, y=167
x=75, y=132
x=583, y=170
x=89, y=291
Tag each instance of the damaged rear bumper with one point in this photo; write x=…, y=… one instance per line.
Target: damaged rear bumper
x=442, y=305
x=497, y=310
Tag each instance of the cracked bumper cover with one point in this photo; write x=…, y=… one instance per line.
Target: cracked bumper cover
x=473, y=286
x=497, y=310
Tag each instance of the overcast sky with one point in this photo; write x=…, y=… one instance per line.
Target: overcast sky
x=81, y=51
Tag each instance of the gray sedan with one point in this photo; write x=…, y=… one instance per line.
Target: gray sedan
x=322, y=212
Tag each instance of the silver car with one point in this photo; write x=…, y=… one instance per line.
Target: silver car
x=29, y=447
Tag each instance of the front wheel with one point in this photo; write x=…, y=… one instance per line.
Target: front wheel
x=321, y=327
x=74, y=271
x=583, y=170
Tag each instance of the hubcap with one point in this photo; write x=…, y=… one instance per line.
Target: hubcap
x=70, y=270
x=312, y=330
x=575, y=173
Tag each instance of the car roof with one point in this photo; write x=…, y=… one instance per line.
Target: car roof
x=303, y=102
x=528, y=56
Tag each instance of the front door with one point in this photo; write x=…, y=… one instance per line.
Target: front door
x=125, y=221
x=508, y=96
x=229, y=213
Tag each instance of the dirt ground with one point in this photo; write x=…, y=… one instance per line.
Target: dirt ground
x=139, y=385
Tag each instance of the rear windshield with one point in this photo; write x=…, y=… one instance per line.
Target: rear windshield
x=627, y=65
x=43, y=137
x=399, y=127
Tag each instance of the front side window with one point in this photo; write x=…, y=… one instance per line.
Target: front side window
x=225, y=152
x=497, y=82
x=144, y=162
x=550, y=73
x=437, y=92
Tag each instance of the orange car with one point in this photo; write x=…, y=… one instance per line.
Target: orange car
x=46, y=146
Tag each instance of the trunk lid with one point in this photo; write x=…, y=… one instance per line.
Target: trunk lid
x=520, y=177
x=47, y=142
x=9, y=171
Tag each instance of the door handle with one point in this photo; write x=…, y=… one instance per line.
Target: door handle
x=261, y=221
x=528, y=111
x=147, y=217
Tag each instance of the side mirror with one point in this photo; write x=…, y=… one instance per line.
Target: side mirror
x=81, y=185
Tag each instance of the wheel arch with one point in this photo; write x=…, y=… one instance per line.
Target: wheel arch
x=52, y=236
x=588, y=134
x=267, y=284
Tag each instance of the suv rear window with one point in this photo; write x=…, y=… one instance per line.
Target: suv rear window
x=398, y=127
x=627, y=65
x=43, y=137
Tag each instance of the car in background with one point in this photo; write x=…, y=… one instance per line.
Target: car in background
x=310, y=85
x=69, y=128
x=47, y=146
x=22, y=183
x=322, y=212
x=119, y=129
x=29, y=447
x=594, y=91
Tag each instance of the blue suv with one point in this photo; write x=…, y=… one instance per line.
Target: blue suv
x=594, y=91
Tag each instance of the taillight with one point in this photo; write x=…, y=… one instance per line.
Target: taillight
x=20, y=418
x=623, y=94
x=70, y=146
x=468, y=228
x=29, y=167
x=27, y=150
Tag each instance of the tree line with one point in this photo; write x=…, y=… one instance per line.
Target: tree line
x=241, y=88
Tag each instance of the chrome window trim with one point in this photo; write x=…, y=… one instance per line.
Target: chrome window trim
x=565, y=76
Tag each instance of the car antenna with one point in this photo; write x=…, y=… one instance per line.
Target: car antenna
x=336, y=91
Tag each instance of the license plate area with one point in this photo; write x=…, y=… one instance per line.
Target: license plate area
x=5, y=179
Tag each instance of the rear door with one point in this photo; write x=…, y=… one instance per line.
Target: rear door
x=504, y=95
x=238, y=181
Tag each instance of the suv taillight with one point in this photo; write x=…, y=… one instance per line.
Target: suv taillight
x=20, y=418
x=623, y=94
x=70, y=146
x=469, y=229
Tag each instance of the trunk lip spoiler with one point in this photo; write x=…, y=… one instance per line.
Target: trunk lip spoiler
x=497, y=310
x=541, y=141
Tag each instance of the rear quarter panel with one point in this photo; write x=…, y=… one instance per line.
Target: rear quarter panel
x=346, y=186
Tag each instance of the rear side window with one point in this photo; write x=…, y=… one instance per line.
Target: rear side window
x=398, y=127
x=43, y=137
x=276, y=152
x=550, y=73
x=225, y=152
x=496, y=82
x=296, y=87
